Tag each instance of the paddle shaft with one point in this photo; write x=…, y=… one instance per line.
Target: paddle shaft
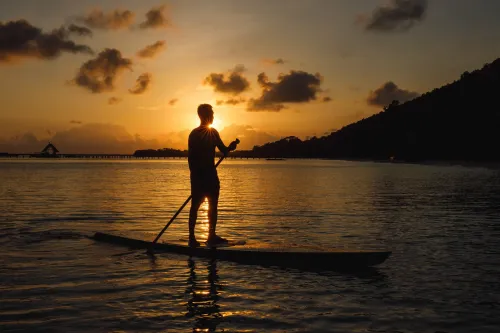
x=180, y=209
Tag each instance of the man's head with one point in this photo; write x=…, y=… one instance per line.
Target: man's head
x=206, y=114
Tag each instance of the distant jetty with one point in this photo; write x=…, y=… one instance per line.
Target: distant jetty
x=51, y=152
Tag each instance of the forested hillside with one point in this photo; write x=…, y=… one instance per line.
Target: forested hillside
x=459, y=121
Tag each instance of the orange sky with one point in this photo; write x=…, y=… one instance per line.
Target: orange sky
x=276, y=68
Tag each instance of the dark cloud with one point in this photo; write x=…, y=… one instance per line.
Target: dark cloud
x=76, y=122
x=156, y=19
x=141, y=84
x=398, y=15
x=278, y=61
x=78, y=30
x=295, y=87
x=25, y=143
x=389, y=92
x=232, y=83
x=114, y=100
x=151, y=50
x=19, y=39
x=94, y=138
x=114, y=20
x=173, y=101
x=231, y=101
x=99, y=74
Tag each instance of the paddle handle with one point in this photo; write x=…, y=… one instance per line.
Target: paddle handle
x=173, y=217
x=184, y=204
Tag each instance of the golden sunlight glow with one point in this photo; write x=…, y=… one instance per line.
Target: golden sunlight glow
x=217, y=123
x=196, y=122
x=202, y=222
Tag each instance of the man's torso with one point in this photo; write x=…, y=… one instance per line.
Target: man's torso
x=201, y=155
x=201, y=149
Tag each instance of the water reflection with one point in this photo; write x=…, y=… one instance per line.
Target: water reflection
x=202, y=221
x=203, y=291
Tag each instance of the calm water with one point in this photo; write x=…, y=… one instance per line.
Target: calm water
x=442, y=224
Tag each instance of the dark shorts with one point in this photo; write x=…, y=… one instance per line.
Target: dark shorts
x=205, y=184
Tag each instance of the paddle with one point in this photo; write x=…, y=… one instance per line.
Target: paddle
x=150, y=249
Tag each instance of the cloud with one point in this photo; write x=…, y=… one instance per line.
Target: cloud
x=398, y=15
x=141, y=84
x=330, y=131
x=21, y=40
x=98, y=138
x=99, y=75
x=93, y=138
x=248, y=136
x=388, y=92
x=114, y=100
x=278, y=61
x=152, y=50
x=25, y=143
x=114, y=20
x=173, y=101
x=156, y=19
x=231, y=101
x=232, y=83
x=78, y=30
x=295, y=87
x=76, y=122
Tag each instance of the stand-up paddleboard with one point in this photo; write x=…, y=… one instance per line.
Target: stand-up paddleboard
x=246, y=253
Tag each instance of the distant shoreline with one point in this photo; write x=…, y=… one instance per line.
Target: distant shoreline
x=476, y=164
x=489, y=165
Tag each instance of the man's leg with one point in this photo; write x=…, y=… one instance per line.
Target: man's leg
x=213, y=202
x=196, y=202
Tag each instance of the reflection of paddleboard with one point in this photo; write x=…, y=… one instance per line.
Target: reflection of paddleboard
x=292, y=256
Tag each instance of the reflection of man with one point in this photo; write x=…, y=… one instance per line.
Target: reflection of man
x=204, y=178
x=202, y=305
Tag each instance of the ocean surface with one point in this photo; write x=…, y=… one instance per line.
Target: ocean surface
x=442, y=224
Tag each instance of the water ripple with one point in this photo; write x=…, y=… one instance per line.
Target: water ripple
x=441, y=223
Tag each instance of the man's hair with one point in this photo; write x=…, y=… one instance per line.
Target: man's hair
x=205, y=111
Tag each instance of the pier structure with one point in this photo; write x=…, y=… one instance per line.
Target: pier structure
x=107, y=156
x=51, y=152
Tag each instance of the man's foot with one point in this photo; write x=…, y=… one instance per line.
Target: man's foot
x=215, y=240
x=193, y=242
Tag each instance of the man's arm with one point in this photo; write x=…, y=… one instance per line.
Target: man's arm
x=222, y=147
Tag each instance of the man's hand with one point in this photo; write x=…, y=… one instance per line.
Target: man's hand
x=233, y=145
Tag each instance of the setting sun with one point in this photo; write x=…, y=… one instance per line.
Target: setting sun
x=216, y=124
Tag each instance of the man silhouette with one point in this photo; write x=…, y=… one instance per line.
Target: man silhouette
x=204, y=178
